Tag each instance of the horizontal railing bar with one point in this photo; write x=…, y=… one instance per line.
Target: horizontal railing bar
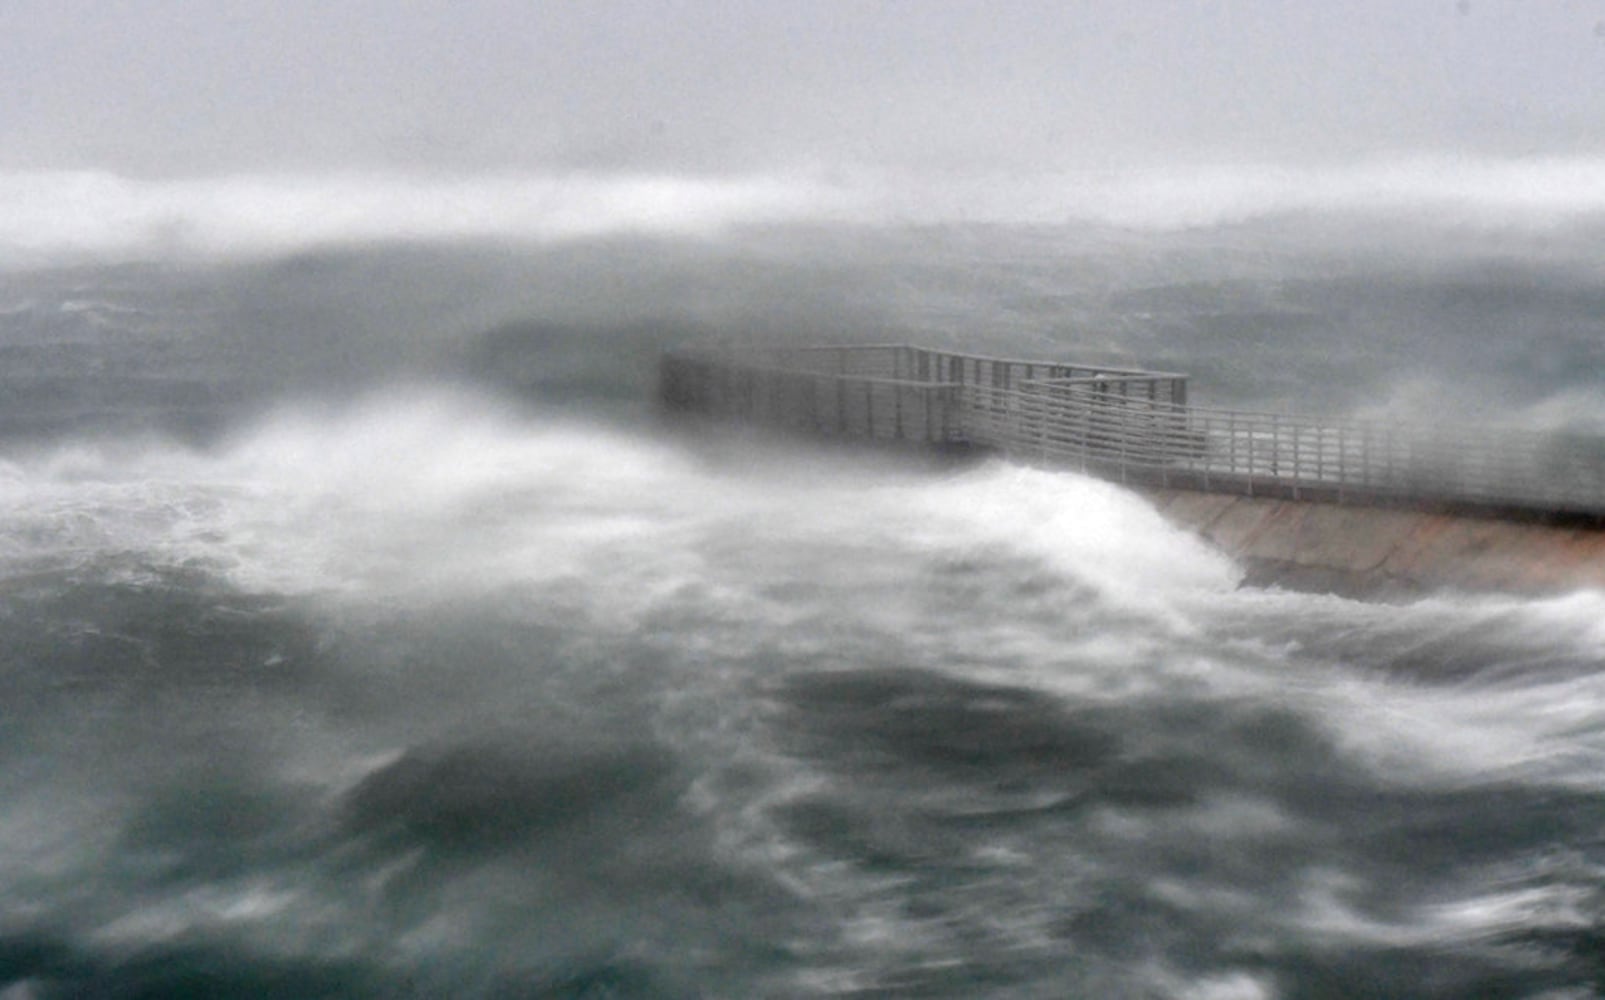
x=1111, y=372
x=913, y=385
x=1248, y=419
x=987, y=359
x=808, y=349
x=1102, y=376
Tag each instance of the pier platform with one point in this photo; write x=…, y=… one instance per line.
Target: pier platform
x=1357, y=504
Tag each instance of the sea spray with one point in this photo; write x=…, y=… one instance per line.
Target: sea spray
x=402, y=680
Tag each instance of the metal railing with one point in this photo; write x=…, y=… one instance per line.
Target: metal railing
x=758, y=389
x=904, y=362
x=1275, y=454
x=1133, y=426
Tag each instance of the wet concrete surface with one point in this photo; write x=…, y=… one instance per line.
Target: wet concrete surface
x=1373, y=551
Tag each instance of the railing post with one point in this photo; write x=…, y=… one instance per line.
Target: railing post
x=1342, y=462
x=1123, y=428
x=1231, y=443
x=1365, y=456
x=1043, y=401
x=1298, y=472
x=1086, y=434
x=1276, y=452
x=1251, y=461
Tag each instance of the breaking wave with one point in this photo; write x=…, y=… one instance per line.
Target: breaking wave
x=101, y=215
x=45, y=216
x=514, y=703
x=420, y=682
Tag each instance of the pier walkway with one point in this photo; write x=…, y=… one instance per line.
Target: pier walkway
x=1136, y=427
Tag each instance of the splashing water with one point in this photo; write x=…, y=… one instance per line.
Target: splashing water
x=420, y=688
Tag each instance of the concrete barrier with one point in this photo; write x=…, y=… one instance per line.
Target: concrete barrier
x=1366, y=551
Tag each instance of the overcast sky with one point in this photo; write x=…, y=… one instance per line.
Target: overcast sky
x=167, y=88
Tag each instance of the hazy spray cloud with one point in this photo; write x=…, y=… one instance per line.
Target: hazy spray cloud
x=257, y=126
x=51, y=216
x=164, y=87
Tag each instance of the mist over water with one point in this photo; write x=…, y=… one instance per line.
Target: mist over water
x=365, y=633
x=53, y=215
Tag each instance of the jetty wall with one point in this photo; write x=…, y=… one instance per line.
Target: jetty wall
x=1372, y=551
x=1313, y=503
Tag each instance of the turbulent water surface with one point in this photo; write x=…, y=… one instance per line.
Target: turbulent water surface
x=364, y=633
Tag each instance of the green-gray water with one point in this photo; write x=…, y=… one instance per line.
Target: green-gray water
x=364, y=633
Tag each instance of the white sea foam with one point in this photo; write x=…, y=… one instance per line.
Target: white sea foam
x=421, y=493
x=428, y=494
x=1540, y=191
x=1079, y=525
x=1238, y=985
x=44, y=215
x=103, y=215
x=1328, y=906
x=424, y=495
x=1522, y=699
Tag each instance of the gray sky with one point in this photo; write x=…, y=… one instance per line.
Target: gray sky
x=172, y=88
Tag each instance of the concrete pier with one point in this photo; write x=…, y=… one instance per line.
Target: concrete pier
x=1314, y=503
x=1369, y=551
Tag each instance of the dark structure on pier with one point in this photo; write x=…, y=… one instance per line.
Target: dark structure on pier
x=1136, y=427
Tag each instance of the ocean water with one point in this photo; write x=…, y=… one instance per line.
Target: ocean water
x=365, y=633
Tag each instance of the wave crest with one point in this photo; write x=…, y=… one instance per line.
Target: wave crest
x=101, y=215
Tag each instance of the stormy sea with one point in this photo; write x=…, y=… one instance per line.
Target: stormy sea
x=366, y=631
